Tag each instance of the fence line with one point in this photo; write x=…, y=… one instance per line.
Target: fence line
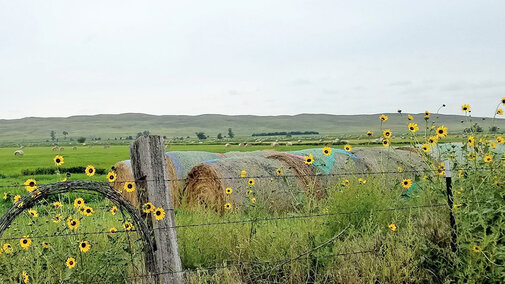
x=241, y=221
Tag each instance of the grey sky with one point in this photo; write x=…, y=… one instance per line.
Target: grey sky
x=61, y=58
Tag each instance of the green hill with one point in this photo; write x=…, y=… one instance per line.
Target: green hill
x=110, y=126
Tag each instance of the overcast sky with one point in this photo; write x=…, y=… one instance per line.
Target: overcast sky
x=266, y=57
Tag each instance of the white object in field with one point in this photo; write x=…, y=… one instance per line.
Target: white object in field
x=289, y=144
x=228, y=145
x=19, y=153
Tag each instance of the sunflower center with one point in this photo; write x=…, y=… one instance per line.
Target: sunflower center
x=25, y=241
x=88, y=211
x=130, y=186
x=57, y=160
x=32, y=183
x=72, y=223
x=158, y=213
x=90, y=170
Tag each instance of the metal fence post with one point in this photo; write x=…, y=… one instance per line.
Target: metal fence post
x=150, y=171
x=450, y=202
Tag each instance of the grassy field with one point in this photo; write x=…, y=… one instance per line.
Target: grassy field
x=368, y=250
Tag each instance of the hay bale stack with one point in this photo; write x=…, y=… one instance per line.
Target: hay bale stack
x=388, y=160
x=178, y=165
x=206, y=184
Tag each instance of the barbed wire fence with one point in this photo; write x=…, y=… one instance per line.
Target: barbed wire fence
x=160, y=239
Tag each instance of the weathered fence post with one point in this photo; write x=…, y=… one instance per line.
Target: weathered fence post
x=149, y=167
x=450, y=202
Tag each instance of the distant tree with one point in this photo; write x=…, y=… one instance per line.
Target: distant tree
x=53, y=135
x=230, y=133
x=146, y=133
x=493, y=129
x=65, y=133
x=81, y=139
x=219, y=136
x=201, y=135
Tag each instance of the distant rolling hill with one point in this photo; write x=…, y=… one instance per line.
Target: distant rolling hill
x=34, y=129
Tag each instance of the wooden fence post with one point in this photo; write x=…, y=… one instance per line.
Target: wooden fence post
x=149, y=167
x=450, y=203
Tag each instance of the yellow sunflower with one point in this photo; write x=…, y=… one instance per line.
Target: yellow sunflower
x=441, y=131
x=470, y=141
x=78, y=202
x=348, y=148
x=16, y=199
x=70, y=262
x=392, y=227
x=243, y=173
x=84, y=246
x=488, y=159
x=57, y=204
x=251, y=182
x=426, y=148
x=148, y=207
x=410, y=117
x=465, y=107
x=500, y=140
x=503, y=100
x=471, y=156
x=499, y=111
x=112, y=230
x=278, y=172
x=25, y=242
x=72, y=223
x=369, y=133
x=57, y=218
x=383, y=117
x=113, y=210
x=346, y=182
x=25, y=277
x=111, y=176
x=492, y=145
x=387, y=133
x=426, y=115
x=361, y=181
x=159, y=214
x=386, y=142
x=441, y=170
x=88, y=211
x=227, y=206
x=127, y=226
x=90, y=171
x=30, y=185
x=33, y=213
x=433, y=140
x=400, y=169
x=6, y=195
x=406, y=183
x=327, y=151
x=309, y=159
x=7, y=248
x=228, y=190
x=413, y=127
x=253, y=200
x=476, y=248
x=129, y=186
x=58, y=160
x=45, y=245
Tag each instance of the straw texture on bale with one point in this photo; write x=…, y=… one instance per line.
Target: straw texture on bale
x=178, y=165
x=388, y=159
x=206, y=184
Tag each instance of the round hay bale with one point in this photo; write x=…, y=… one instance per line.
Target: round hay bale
x=388, y=160
x=178, y=165
x=19, y=153
x=228, y=145
x=206, y=184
